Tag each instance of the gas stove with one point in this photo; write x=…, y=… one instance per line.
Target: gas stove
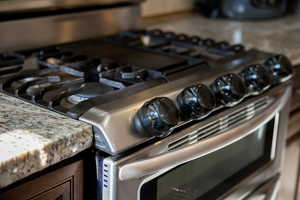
x=174, y=116
x=142, y=85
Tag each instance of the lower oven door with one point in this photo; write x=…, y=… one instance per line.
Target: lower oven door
x=243, y=156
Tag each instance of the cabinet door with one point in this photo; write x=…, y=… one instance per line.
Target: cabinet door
x=61, y=192
x=64, y=183
x=289, y=180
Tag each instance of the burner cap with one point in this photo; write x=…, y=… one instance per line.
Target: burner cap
x=89, y=90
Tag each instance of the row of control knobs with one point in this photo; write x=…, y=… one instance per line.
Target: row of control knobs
x=157, y=116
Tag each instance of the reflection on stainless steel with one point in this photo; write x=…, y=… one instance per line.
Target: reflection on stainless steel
x=181, y=194
x=267, y=191
x=36, y=89
x=36, y=80
x=24, y=5
x=237, y=37
x=45, y=31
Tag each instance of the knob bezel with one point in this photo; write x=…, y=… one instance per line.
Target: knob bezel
x=280, y=67
x=256, y=79
x=195, y=102
x=223, y=91
x=149, y=121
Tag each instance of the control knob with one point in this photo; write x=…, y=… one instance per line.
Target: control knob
x=196, y=101
x=279, y=66
x=156, y=117
x=229, y=89
x=256, y=78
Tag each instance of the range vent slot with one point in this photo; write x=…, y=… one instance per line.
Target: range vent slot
x=226, y=122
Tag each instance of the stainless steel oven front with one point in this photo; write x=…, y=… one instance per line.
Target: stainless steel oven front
x=226, y=156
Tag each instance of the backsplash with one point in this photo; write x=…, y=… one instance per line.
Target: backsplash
x=162, y=7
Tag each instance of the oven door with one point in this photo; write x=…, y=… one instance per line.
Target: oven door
x=207, y=168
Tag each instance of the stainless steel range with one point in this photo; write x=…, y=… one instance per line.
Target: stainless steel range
x=174, y=116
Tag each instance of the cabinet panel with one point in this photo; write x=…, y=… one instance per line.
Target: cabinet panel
x=61, y=192
x=65, y=183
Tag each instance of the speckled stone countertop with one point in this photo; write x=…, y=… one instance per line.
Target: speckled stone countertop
x=32, y=138
x=280, y=35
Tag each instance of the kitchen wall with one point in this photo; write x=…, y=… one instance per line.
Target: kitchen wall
x=162, y=7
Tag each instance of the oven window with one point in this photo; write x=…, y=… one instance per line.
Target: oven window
x=212, y=175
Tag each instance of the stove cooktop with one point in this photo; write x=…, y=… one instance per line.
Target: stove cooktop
x=62, y=77
x=112, y=82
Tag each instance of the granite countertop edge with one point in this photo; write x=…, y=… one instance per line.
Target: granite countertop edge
x=28, y=146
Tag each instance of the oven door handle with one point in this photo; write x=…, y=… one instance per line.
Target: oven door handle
x=169, y=160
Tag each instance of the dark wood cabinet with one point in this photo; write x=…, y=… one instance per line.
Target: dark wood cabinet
x=64, y=183
x=61, y=192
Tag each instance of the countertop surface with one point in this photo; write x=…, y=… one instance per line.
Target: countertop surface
x=280, y=35
x=32, y=138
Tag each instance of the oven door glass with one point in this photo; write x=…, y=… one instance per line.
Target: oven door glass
x=212, y=175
